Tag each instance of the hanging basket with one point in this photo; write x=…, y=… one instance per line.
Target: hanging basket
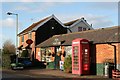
x=49, y=54
x=53, y=54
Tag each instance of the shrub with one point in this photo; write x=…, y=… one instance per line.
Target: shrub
x=8, y=49
x=68, y=64
x=6, y=61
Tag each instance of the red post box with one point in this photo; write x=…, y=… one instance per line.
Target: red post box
x=80, y=56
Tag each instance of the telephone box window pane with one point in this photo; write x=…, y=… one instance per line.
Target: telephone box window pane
x=76, y=68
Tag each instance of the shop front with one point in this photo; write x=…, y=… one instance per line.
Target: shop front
x=53, y=55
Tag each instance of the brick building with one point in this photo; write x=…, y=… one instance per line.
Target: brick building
x=43, y=30
x=39, y=32
x=100, y=50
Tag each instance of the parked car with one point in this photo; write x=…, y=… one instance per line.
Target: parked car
x=15, y=66
x=27, y=63
x=21, y=62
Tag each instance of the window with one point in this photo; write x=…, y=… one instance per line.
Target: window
x=88, y=28
x=84, y=29
x=29, y=35
x=22, y=38
x=79, y=28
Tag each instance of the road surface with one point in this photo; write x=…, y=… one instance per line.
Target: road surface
x=44, y=75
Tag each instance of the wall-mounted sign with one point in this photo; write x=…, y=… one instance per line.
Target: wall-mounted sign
x=56, y=42
x=75, y=42
x=84, y=42
x=29, y=41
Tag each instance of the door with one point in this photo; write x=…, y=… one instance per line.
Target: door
x=57, y=58
x=85, y=59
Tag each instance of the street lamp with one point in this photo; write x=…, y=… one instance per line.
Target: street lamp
x=9, y=13
x=109, y=43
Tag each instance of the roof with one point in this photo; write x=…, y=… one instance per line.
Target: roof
x=33, y=25
x=74, y=22
x=96, y=36
x=71, y=22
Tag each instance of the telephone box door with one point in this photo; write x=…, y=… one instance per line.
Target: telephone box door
x=85, y=59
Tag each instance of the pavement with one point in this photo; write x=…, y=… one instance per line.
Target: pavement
x=42, y=74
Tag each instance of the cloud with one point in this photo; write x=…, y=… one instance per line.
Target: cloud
x=27, y=0
x=104, y=5
x=0, y=40
x=8, y=22
x=22, y=8
x=3, y=38
x=59, y=1
x=36, y=7
x=98, y=21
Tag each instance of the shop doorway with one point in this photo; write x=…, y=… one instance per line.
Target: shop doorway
x=57, y=57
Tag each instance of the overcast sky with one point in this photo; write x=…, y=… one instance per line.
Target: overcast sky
x=99, y=14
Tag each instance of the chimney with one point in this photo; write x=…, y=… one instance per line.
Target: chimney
x=82, y=18
x=91, y=25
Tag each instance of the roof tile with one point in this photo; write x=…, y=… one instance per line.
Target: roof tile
x=33, y=25
x=97, y=36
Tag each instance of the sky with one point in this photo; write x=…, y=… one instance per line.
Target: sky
x=99, y=14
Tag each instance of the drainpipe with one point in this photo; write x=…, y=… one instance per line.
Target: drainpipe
x=114, y=54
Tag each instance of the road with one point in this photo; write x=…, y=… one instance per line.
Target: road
x=43, y=75
x=22, y=74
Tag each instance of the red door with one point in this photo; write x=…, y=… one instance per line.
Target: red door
x=85, y=59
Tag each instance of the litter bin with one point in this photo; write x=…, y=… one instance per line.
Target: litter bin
x=108, y=67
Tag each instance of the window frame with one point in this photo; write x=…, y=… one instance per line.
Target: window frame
x=22, y=38
x=84, y=29
x=29, y=35
x=79, y=29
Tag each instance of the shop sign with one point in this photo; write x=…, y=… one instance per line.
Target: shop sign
x=84, y=42
x=29, y=41
x=75, y=42
x=56, y=42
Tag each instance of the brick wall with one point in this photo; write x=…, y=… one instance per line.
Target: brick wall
x=105, y=51
x=26, y=38
x=33, y=44
x=38, y=54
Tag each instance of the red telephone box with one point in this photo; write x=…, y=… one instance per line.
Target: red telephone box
x=80, y=56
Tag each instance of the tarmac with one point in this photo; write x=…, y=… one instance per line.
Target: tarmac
x=49, y=74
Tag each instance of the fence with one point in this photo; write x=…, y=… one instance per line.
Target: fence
x=115, y=74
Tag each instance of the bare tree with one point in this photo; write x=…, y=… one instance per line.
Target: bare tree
x=8, y=47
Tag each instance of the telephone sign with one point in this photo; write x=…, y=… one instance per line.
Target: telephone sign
x=80, y=57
